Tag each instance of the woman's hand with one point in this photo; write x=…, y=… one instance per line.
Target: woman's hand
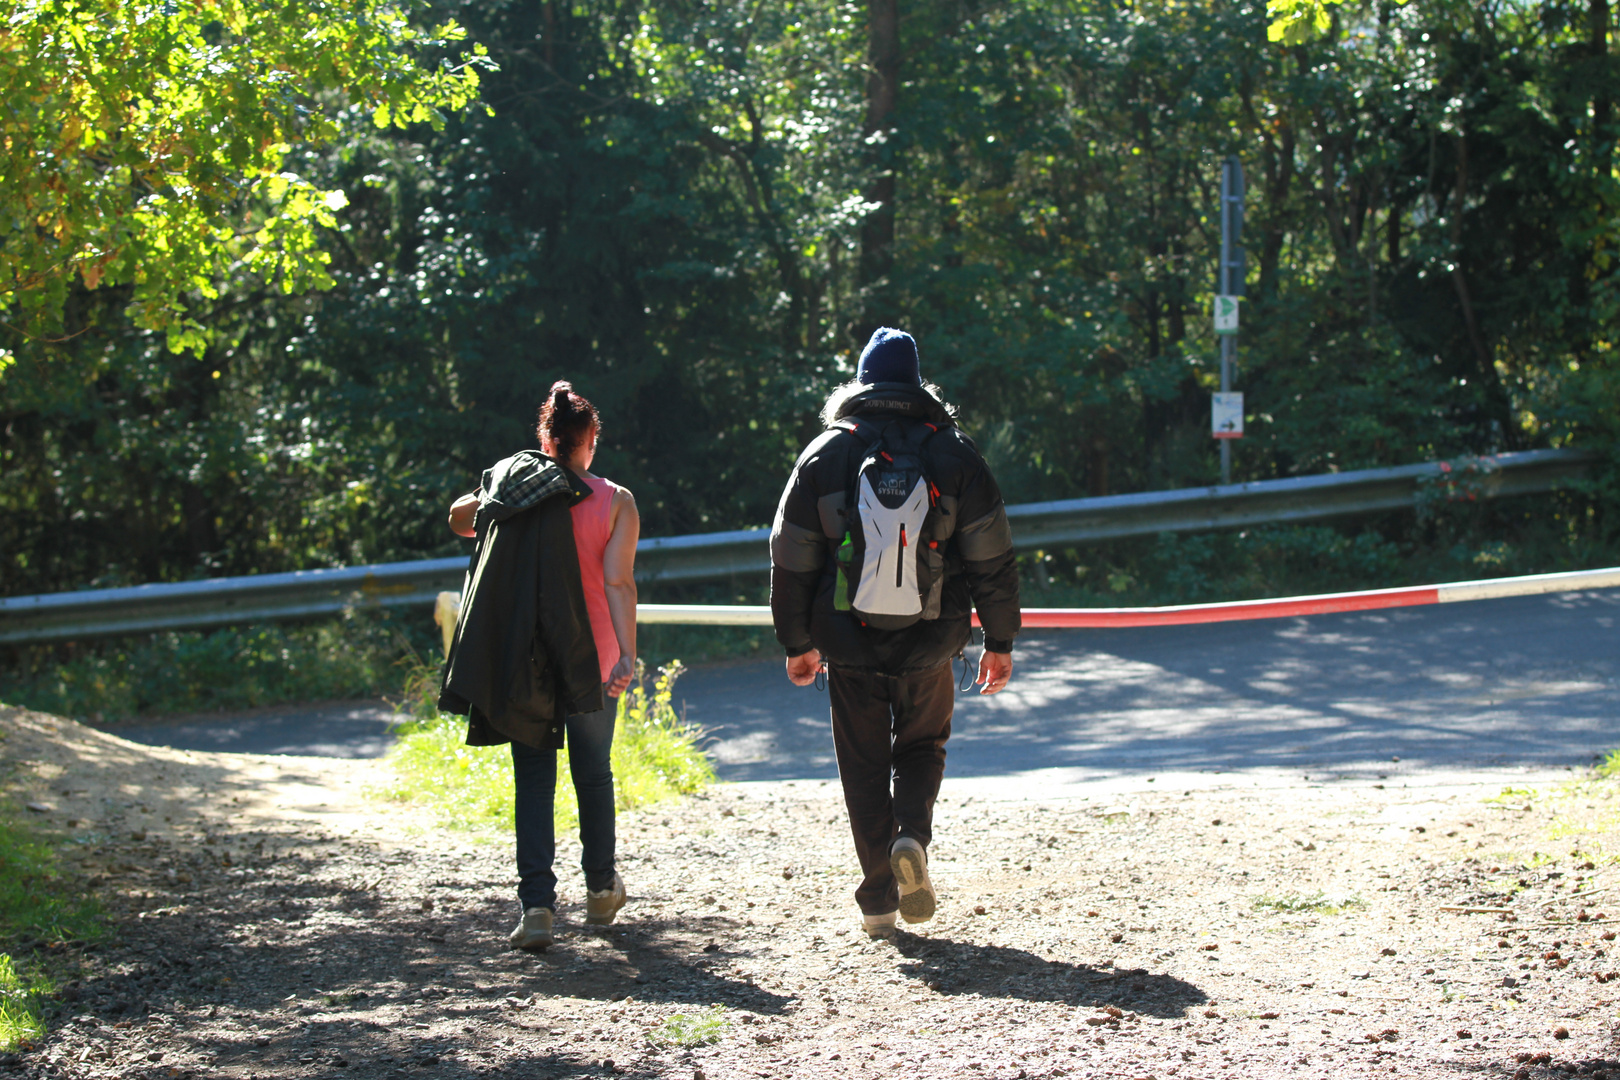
x=463, y=513
x=619, y=678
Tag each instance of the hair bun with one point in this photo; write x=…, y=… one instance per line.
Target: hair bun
x=566, y=418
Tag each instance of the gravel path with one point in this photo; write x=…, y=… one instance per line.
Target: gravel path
x=1246, y=927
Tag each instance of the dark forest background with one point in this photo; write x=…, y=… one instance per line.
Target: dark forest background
x=698, y=211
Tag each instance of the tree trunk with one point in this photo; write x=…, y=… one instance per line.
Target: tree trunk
x=1496, y=395
x=1097, y=462
x=1277, y=172
x=882, y=92
x=201, y=536
x=550, y=35
x=1470, y=324
x=1602, y=104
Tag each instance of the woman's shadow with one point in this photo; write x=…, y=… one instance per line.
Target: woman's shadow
x=954, y=967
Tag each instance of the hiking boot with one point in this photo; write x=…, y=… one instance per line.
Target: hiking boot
x=910, y=865
x=603, y=904
x=880, y=926
x=533, y=931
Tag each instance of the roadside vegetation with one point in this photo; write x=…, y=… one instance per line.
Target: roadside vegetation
x=42, y=914
x=656, y=755
x=361, y=655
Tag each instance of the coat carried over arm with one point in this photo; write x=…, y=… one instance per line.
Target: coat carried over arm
x=523, y=657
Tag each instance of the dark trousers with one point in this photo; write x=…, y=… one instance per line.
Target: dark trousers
x=889, y=729
x=534, y=773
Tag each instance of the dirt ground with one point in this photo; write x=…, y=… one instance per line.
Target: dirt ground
x=273, y=920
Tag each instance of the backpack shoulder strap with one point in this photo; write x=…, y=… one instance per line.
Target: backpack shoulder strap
x=867, y=432
x=920, y=433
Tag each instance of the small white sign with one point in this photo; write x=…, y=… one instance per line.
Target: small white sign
x=1226, y=416
x=1226, y=314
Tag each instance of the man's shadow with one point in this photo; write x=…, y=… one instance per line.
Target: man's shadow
x=954, y=967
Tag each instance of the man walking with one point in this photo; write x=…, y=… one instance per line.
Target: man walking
x=890, y=532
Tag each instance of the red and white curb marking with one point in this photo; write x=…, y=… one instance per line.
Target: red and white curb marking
x=1371, y=600
x=1182, y=614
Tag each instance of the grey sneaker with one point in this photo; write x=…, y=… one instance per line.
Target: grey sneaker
x=603, y=904
x=880, y=926
x=910, y=865
x=533, y=930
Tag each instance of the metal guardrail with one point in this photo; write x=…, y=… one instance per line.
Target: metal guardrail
x=1266, y=502
x=711, y=556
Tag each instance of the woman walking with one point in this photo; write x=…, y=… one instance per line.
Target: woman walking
x=603, y=527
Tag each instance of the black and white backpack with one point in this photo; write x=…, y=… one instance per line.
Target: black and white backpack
x=889, y=563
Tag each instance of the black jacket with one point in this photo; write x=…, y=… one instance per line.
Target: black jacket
x=523, y=656
x=979, y=565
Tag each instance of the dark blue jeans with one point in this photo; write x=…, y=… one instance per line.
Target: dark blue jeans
x=534, y=772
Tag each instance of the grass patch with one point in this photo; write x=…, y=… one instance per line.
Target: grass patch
x=341, y=998
x=1316, y=903
x=688, y=1031
x=364, y=654
x=655, y=756
x=37, y=908
x=1513, y=795
x=21, y=1006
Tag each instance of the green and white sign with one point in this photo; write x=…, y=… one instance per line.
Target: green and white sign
x=1226, y=416
x=1226, y=314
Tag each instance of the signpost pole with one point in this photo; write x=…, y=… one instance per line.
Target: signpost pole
x=1228, y=347
x=1229, y=283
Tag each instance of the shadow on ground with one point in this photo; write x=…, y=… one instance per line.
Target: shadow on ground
x=957, y=967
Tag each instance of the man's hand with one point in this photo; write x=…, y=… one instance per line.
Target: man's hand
x=619, y=678
x=995, y=669
x=802, y=669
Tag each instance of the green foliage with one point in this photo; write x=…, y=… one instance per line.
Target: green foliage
x=656, y=756
x=688, y=1030
x=1294, y=22
x=667, y=206
x=37, y=908
x=145, y=142
x=233, y=668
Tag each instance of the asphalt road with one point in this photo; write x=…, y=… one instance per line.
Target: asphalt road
x=1523, y=682
x=343, y=729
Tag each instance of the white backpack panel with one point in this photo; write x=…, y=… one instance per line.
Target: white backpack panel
x=888, y=584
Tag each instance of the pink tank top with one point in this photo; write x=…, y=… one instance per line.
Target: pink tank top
x=592, y=525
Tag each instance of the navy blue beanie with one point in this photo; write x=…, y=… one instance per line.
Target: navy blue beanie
x=891, y=356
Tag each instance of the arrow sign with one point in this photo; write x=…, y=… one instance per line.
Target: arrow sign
x=1226, y=314
x=1226, y=416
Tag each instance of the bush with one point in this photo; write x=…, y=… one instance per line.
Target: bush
x=359, y=655
x=655, y=756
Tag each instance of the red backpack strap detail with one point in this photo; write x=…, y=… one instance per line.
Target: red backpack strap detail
x=866, y=432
